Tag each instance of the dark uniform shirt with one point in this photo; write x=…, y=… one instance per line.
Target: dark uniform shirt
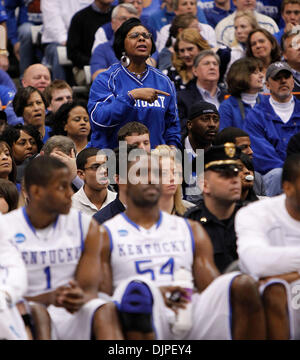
x=109, y=211
x=221, y=233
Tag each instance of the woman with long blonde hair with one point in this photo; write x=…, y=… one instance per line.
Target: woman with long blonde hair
x=171, y=194
x=188, y=45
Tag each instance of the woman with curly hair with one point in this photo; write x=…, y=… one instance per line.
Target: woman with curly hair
x=72, y=120
x=25, y=142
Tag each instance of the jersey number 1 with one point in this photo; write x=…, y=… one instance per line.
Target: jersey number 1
x=48, y=277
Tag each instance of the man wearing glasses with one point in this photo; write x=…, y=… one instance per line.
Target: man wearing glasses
x=94, y=194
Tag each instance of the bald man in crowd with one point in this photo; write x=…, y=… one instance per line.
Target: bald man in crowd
x=38, y=76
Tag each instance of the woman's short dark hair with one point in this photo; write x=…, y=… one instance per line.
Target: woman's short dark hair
x=12, y=133
x=9, y=192
x=21, y=98
x=238, y=77
x=275, y=52
x=13, y=174
x=61, y=117
x=121, y=33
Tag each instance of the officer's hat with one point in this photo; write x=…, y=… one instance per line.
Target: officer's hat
x=222, y=158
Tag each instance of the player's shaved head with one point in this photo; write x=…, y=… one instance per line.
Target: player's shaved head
x=40, y=171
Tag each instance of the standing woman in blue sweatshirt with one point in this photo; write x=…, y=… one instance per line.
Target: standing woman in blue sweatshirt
x=131, y=90
x=244, y=80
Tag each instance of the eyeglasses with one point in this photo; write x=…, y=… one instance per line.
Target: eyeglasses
x=135, y=35
x=95, y=167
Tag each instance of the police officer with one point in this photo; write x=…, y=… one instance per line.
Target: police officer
x=221, y=186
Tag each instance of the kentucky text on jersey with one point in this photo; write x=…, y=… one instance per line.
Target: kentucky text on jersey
x=57, y=256
x=160, y=102
x=151, y=249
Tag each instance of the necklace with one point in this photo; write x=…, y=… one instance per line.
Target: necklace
x=139, y=75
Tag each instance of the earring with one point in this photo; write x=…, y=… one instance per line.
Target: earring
x=125, y=61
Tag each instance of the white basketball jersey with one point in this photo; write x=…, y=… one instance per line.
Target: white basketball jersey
x=156, y=252
x=51, y=255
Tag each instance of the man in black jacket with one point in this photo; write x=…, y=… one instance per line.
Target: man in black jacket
x=83, y=27
x=221, y=195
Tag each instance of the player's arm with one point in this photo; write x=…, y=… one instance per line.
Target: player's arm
x=288, y=277
x=204, y=268
x=88, y=269
x=105, y=283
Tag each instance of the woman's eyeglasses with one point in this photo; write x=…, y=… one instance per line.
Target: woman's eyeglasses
x=135, y=35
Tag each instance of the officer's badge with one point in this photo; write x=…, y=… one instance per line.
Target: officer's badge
x=203, y=220
x=230, y=149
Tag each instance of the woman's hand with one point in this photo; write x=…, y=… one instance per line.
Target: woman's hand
x=147, y=94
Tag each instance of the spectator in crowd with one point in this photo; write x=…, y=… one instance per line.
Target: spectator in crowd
x=8, y=170
x=241, y=140
x=263, y=46
x=202, y=128
x=60, y=143
x=186, y=7
x=247, y=178
x=221, y=196
x=188, y=45
x=204, y=87
x=290, y=12
x=244, y=80
x=270, y=8
x=119, y=204
x=106, y=32
x=170, y=199
x=268, y=249
x=83, y=27
x=57, y=16
x=30, y=104
x=9, y=196
x=271, y=124
x=133, y=96
x=25, y=143
x=220, y=10
x=94, y=194
x=57, y=93
x=162, y=16
x=13, y=286
x=135, y=134
x=20, y=31
x=63, y=148
x=244, y=23
x=72, y=120
x=225, y=28
x=48, y=188
x=290, y=44
x=103, y=55
x=38, y=76
x=179, y=23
